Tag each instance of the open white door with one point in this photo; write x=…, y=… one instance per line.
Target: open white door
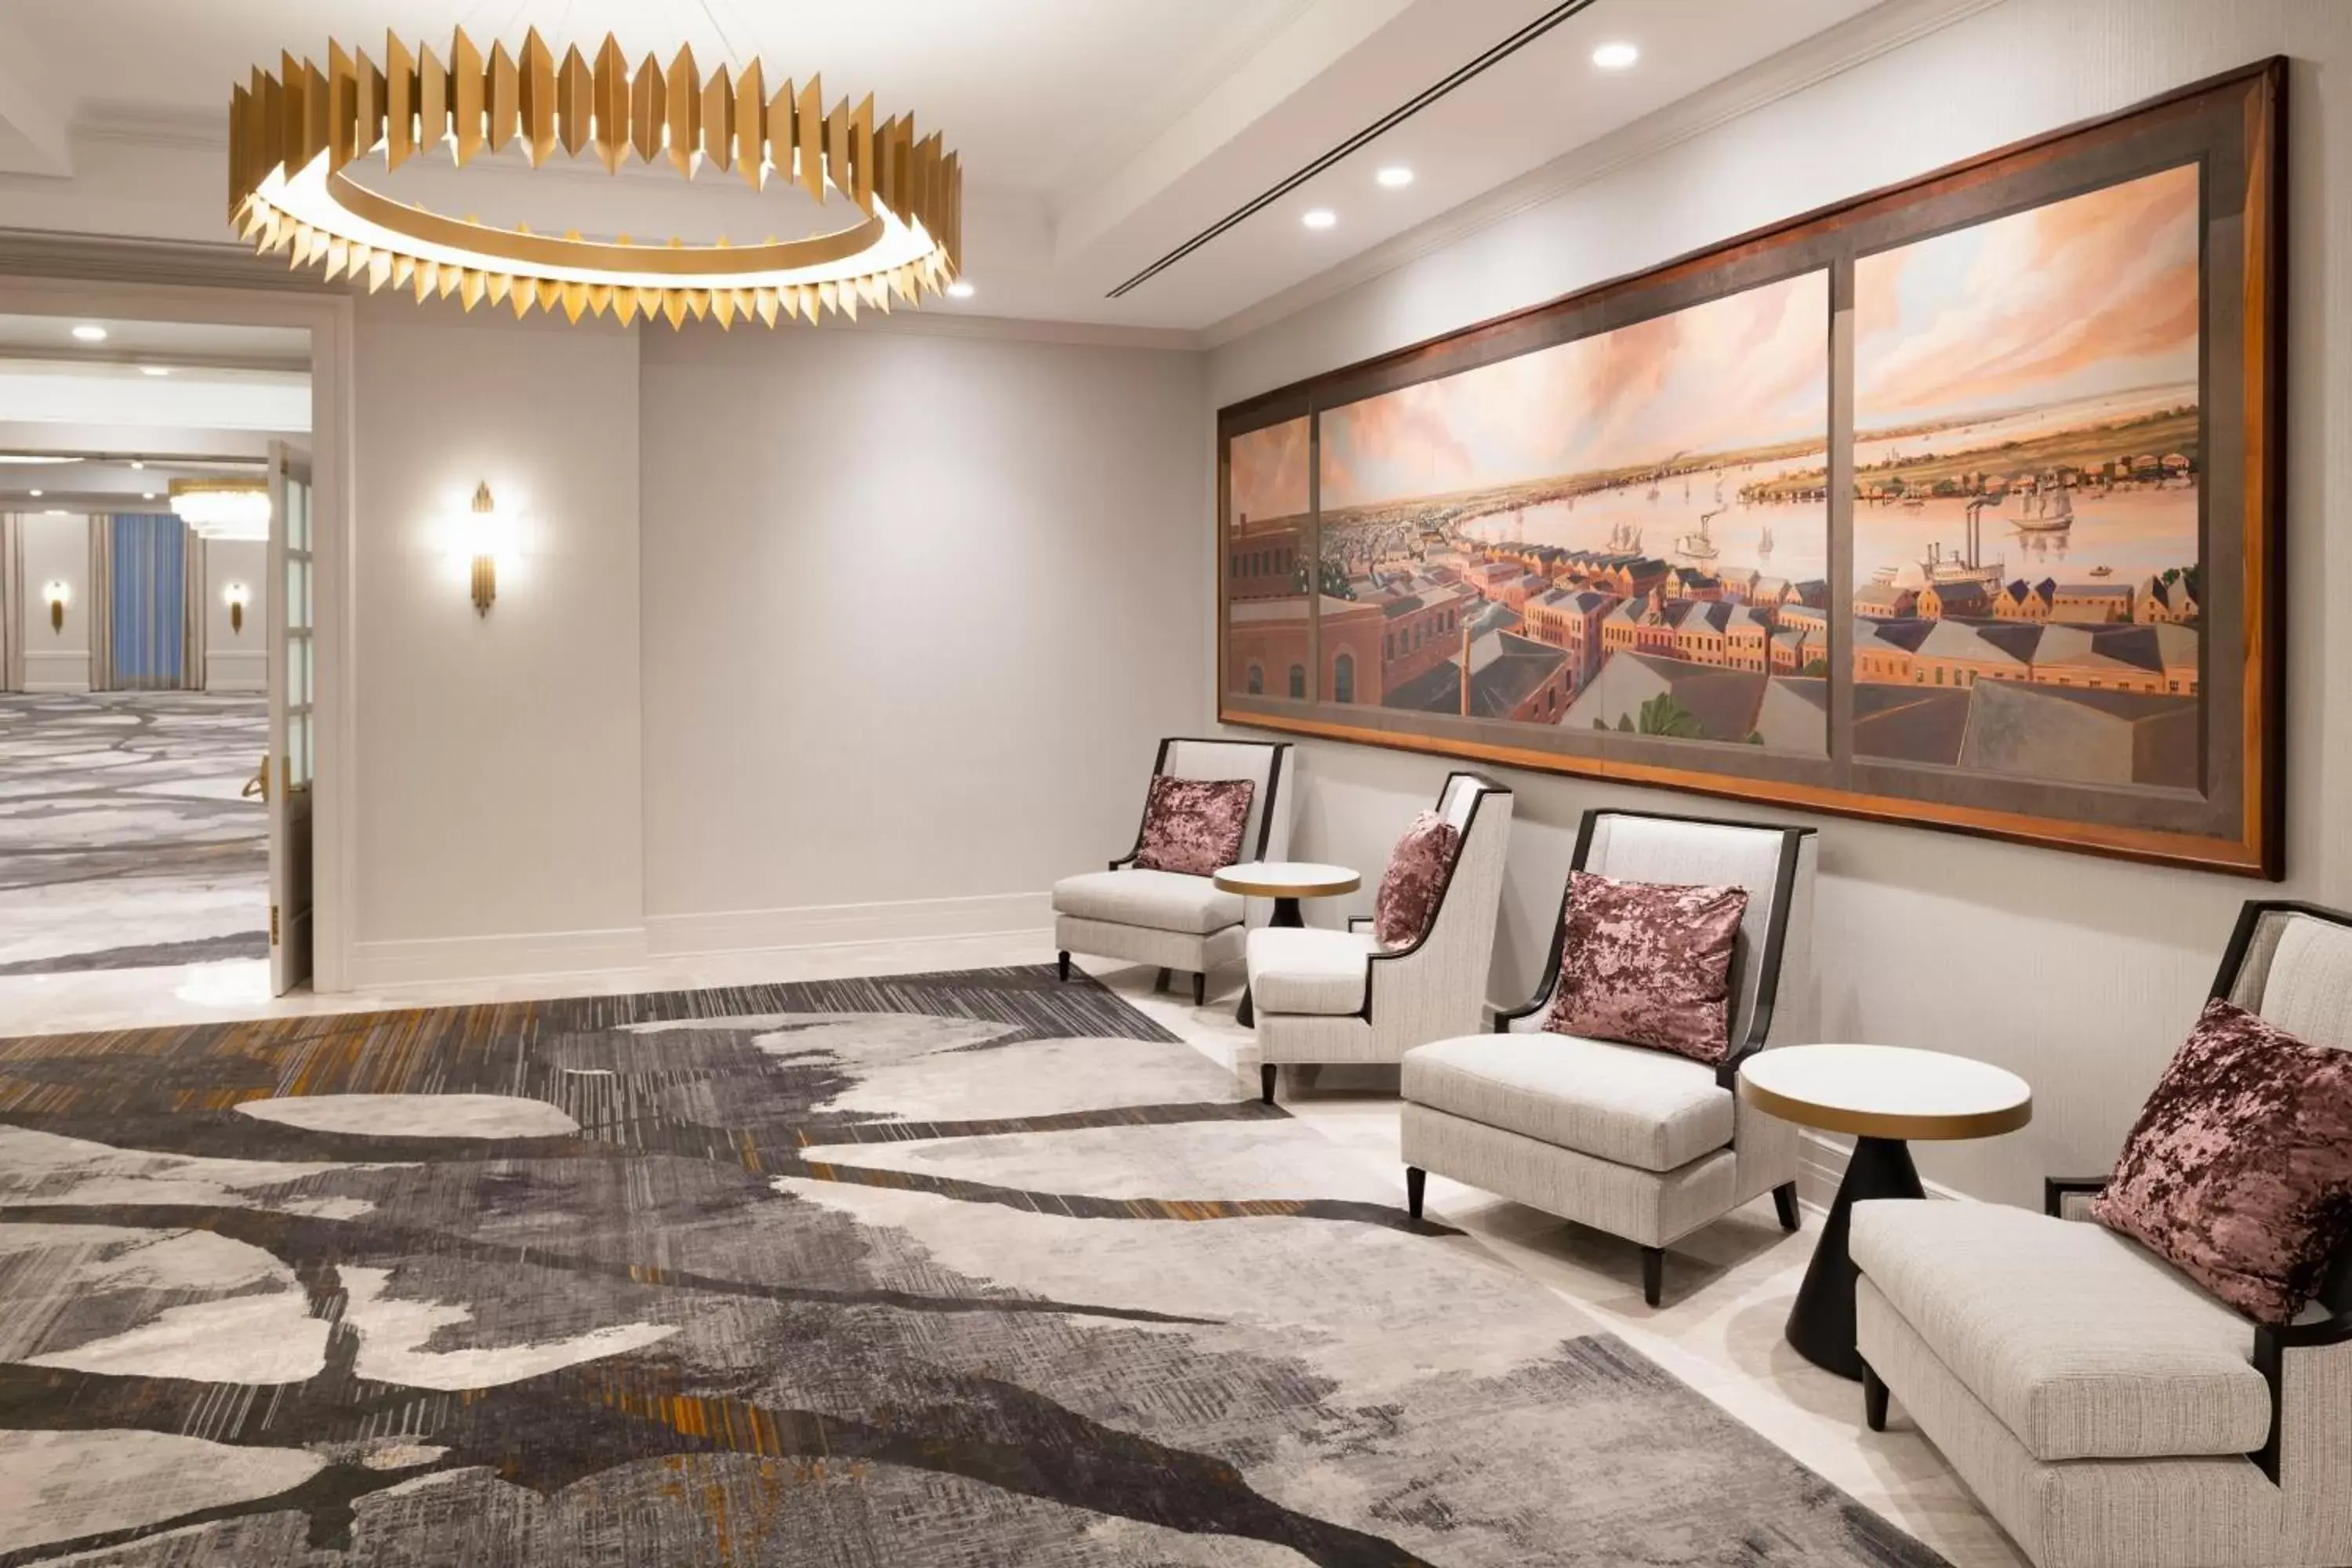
x=286, y=772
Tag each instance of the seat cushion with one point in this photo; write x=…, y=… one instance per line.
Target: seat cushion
x=1650, y=1110
x=2083, y=1343
x=1160, y=900
x=1308, y=970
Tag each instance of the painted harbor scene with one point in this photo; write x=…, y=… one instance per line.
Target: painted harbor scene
x=1601, y=534
x=1630, y=532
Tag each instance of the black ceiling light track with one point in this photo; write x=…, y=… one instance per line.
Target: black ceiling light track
x=1386, y=122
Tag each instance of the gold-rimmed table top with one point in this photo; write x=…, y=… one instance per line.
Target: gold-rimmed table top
x=1288, y=879
x=1886, y=1091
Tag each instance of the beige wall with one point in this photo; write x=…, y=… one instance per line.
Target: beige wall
x=916, y=608
x=2080, y=973
x=56, y=550
x=497, y=790
x=814, y=636
x=235, y=660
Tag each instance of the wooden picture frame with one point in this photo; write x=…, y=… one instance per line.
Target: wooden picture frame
x=2176, y=759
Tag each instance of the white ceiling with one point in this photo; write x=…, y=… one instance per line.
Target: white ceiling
x=1097, y=135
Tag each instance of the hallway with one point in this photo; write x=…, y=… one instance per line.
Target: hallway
x=123, y=841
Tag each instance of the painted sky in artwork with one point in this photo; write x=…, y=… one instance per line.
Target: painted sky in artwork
x=2093, y=295
x=1748, y=370
x=1269, y=471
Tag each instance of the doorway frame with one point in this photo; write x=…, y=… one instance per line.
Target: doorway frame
x=328, y=318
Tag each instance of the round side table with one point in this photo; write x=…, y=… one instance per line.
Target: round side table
x=1286, y=882
x=1884, y=1096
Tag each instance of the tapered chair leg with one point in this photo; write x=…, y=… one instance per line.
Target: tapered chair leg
x=1874, y=1399
x=1654, y=1274
x=1199, y=990
x=1784, y=1199
x=1062, y=963
x=1162, y=983
x=1416, y=1181
x=1265, y=1083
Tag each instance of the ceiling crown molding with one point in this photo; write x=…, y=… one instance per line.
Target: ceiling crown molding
x=1876, y=32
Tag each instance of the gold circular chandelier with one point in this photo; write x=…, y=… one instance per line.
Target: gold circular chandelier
x=292, y=135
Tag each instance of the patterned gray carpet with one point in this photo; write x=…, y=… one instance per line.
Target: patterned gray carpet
x=124, y=840
x=942, y=1271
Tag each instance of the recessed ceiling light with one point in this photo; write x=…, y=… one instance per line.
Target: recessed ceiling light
x=1318, y=217
x=154, y=370
x=960, y=289
x=37, y=494
x=138, y=463
x=1396, y=176
x=146, y=495
x=89, y=332
x=1616, y=57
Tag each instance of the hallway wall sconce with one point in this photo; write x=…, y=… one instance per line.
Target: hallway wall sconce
x=484, y=543
x=57, y=594
x=236, y=595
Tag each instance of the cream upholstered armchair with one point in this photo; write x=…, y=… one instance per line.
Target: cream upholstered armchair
x=1166, y=918
x=1328, y=996
x=2107, y=1410
x=1641, y=1143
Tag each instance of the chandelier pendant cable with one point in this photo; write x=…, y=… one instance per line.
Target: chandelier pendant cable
x=293, y=134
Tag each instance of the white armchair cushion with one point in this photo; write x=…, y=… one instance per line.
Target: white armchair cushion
x=1650, y=1110
x=1295, y=969
x=2083, y=1343
x=1158, y=901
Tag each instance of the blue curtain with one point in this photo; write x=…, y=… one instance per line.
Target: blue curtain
x=150, y=601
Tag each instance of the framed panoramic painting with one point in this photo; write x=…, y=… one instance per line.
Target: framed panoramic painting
x=1956, y=504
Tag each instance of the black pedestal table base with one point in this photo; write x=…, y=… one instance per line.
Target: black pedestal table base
x=1821, y=1325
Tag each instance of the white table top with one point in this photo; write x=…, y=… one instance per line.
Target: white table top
x=1886, y=1091
x=1288, y=879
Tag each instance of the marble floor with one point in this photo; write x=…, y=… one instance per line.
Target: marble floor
x=1728, y=1289
x=124, y=843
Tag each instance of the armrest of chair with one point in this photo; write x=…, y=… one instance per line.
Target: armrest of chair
x=2056, y=1190
x=2271, y=1347
x=1505, y=1016
x=1727, y=1071
x=1356, y=922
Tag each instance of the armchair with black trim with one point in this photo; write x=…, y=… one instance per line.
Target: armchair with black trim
x=1642, y=1143
x=2106, y=1409
x=1323, y=996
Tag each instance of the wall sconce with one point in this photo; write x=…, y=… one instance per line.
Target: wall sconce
x=235, y=593
x=485, y=541
x=57, y=594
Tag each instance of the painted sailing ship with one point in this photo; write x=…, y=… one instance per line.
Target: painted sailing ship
x=2048, y=508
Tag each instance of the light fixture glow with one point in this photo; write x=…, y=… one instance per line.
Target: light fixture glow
x=34, y=459
x=290, y=193
x=154, y=370
x=57, y=593
x=234, y=596
x=223, y=509
x=90, y=332
x=486, y=536
x=1395, y=177
x=37, y=494
x=1318, y=217
x=1616, y=57
x=960, y=289
x=146, y=495
x=136, y=463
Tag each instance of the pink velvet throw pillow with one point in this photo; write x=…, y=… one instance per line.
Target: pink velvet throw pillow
x=1194, y=825
x=1648, y=963
x=2239, y=1171
x=1415, y=880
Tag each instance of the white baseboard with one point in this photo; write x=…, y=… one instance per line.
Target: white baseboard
x=57, y=670
x=377, y=964
x=237, y=669
x=1821, y=1166
x=423, y=960
x=835, y=925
